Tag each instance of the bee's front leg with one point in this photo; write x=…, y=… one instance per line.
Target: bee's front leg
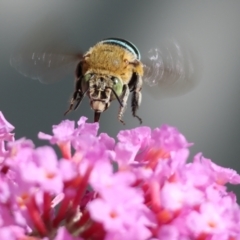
x=78, y=94
x=136, y=86
x=124, y=98
x=75, y=97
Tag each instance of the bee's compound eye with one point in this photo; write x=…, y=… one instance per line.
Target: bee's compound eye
x=87, y=77
x=117, y=85
x=85, y=81
x=115, y=80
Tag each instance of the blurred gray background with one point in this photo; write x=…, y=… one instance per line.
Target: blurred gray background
x=209, y=115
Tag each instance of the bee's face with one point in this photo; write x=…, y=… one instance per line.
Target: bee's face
x=102, y=89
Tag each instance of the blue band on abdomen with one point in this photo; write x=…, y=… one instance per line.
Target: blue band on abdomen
x=125, y=44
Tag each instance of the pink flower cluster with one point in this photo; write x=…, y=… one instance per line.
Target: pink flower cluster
x=139, y=188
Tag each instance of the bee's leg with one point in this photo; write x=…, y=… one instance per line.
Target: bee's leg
x=124, y=98
x=78, y=100
x=77, y=90
x=135, y=85
x=74, y=97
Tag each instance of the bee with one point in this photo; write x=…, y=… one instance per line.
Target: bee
x=110, y=70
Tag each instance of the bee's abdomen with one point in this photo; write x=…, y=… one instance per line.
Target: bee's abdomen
x=124, y=44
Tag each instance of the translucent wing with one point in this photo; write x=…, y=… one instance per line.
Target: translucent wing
x=170, y=70
x=44, y=51
x=44, y=66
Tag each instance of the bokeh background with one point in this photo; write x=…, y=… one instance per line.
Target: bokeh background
x=209, y=115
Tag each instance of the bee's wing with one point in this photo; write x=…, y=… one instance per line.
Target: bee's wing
x=44, y=51
x=170, y=70
x=47, y=67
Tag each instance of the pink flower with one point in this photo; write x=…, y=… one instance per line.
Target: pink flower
x=5, y=135
x=221, y=175
x=169, y=138
x=121, y=209
x=209, y=220
x=5, y=129
x=152, y=192
x=61, y=133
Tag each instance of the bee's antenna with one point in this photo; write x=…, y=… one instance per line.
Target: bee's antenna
x=120, y=102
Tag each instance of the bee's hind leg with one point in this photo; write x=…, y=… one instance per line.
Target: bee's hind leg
x=136, y=86
x=124, y=98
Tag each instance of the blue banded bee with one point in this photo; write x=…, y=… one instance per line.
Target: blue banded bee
x=110, y=70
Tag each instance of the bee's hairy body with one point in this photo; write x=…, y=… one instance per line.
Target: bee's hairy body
x=111, y=60
x=109, y=70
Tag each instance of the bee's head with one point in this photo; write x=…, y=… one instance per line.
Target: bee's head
x=103, y=88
